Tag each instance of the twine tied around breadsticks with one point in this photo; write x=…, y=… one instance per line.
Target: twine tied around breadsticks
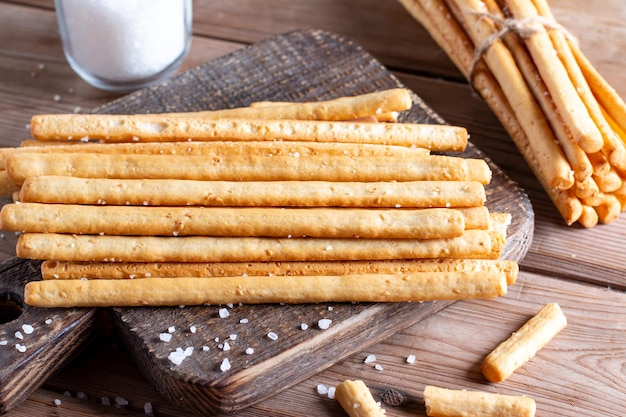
x=523, y=27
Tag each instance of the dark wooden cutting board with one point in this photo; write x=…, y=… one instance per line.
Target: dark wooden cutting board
x=298, y=66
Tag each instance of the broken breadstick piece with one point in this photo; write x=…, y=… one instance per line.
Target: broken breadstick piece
x=524, y=343
x=442, y=402
x=418, y=286
x=357, y=400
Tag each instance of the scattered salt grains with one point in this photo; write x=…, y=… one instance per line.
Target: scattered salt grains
x=331, y=393
x=171, y=329
x=27, y=328
x=322, y=389
x=304, y=326
x=272, y=336
x=105, y=401
x=177, y=356
x=165, y=337
x=205, y=348
x=57, y=402
x=370, y=359
x=233, y=336
x=226, y=346
x=147, y=409
x=223, y=312
x=193, y=329
x=329, y=247
x=57, y=97
x=4, y=342
x=225, y=365
x=410, y=359
x=120, y=402
x=19, y=335
x=378, y=367
x=324, y=324
x=81, y=396
x=249, y=351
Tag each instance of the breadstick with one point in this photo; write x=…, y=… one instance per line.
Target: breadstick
x=217, y=148
x=55, y=189
x=7, y=186
x=606, y=95
x=342, y=108
x=543, y=144
x=612, y=146
x=436, y=17
x=609, y=209
x=356, y=399
x=472, y=244
x=589, y=217
x=609, y=182
x=249, y=167
x=524, y=343
x=588, y=188
x=127, y=270
x=156, y=128
x=418, y=286
x=390, y=117
x=239, y=221
x=442, y=402
x=554, y=74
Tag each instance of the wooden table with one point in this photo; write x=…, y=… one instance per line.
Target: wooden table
x=581, y=372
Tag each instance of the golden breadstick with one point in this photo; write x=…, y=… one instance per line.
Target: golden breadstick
x=620, y=194
x=436, y=17
x=356, y=399
x=55, y=189
x=249, y=167
x=156, y=128
x=240, y=221
x=472, y=244
x=543, y=144
x=609, y=181
x=418, y=286
x=554, y=74
x=128, y=270
x=589, y=217
x=389, y=117
x=343, y=108
x=587, y=188
x=606, y=95
x=7, y=186
x=217, y=148
x=442, y=402
x=523, y=343
x=609, y=209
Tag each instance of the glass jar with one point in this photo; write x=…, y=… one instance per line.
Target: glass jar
x=124, y=45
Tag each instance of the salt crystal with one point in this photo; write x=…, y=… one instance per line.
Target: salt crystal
x=370, y=359
x=322, y=389
x=120, y=402
x=223, y=312
x=410, y=359
x=56, y=98
x=304, y=326
x=193, y=329
x=28, y=329
x=177, y=356
x=331, y=393
x=226, y=346
x=20, y=348
x=249, y=351
x=233, y=336
x=105, y=401
x=19, y=335
x=324, y=323
x=57, y=402
x=165, y=337
x=378, y=367
x=243, y=321
x=4, y=342
x=171, y=329
x=272, y=336
x=81, y=395
x=147, y=409
x=225, y=365
x=205, y=348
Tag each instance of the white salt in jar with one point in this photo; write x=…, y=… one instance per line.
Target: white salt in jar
x=123, y=45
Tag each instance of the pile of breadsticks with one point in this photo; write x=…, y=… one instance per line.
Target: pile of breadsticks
x=290, y=203
x=566, y=120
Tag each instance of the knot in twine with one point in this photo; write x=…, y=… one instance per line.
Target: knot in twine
x=523, y=27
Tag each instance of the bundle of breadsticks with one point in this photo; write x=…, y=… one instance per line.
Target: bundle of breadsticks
x=289, y=203
x=564, y=117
